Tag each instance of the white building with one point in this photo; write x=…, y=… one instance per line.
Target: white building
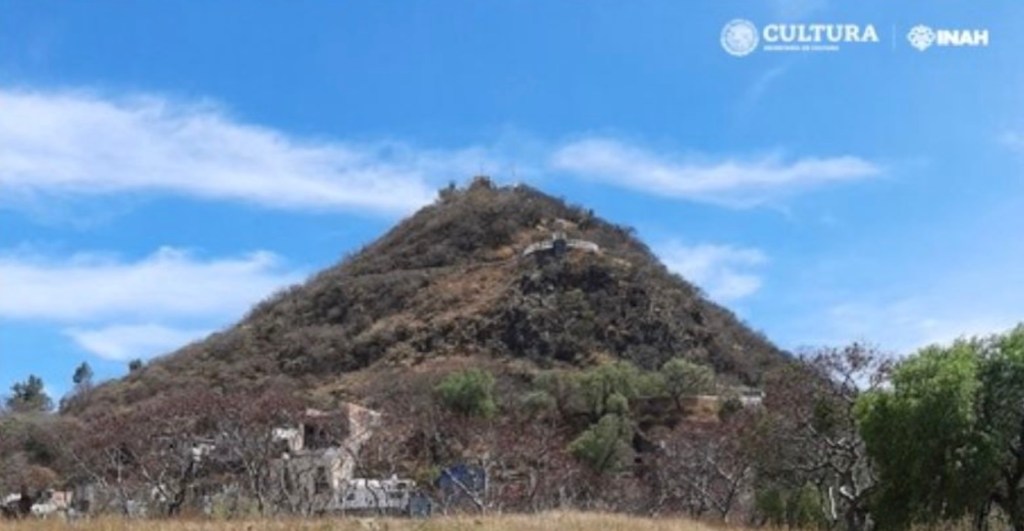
x=377, y=495
x=316, y=467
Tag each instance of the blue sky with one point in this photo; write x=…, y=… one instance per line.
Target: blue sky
x=165, y=165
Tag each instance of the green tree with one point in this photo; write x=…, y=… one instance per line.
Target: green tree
x=604, y=446
x=538, y=403
x=923, y=436
x=468, y=393
x=684, y=378
x=610, y=387
x=82, y=378
x=29, y=396
x=134, y=365
x=587, y=393
x=1000, y=410
x=771, y=506
x=602, y=395
x=598, y=384
x=804, y=509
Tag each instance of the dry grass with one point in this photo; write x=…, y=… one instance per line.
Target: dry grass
x=560, y=520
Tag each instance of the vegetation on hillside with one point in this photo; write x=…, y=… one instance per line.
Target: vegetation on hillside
x=593, y=381
x=845, y=438
x=451, y=280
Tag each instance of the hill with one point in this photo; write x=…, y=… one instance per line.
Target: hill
x=452, y=281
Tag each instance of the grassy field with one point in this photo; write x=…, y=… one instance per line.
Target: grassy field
x=537, y=522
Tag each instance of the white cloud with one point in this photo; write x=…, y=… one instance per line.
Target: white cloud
x=170, y=283
x=905, y=325
x=81, y=144
x=126, y=342
x=121, y=309
x=74, y=144
x=724, y=272
x=730, y=181
x=902, y=314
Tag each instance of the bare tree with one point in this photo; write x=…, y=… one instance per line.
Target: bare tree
x=246, y=445
x=704, y=467
x=172, y=446
x=814, y=436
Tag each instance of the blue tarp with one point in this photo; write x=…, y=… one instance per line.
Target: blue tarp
x=471, y=477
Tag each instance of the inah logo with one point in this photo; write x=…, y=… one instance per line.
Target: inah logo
x=739, y=37
x=923, y=37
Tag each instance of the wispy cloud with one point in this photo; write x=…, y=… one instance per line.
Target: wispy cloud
x=905, y=311
x=737, y=182
x=168, y=283
x=726, y=273
x=910, y=323
x=126, y=342
x=759, y=87
x=116, y=308
x=78, y=143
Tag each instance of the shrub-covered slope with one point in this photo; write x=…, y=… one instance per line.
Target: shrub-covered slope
x=451, y=280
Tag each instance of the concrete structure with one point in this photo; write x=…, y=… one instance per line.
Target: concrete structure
x=316, y=467
x=48, y=503
x=559, y=244
x=391, y=495
x=752, y=397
